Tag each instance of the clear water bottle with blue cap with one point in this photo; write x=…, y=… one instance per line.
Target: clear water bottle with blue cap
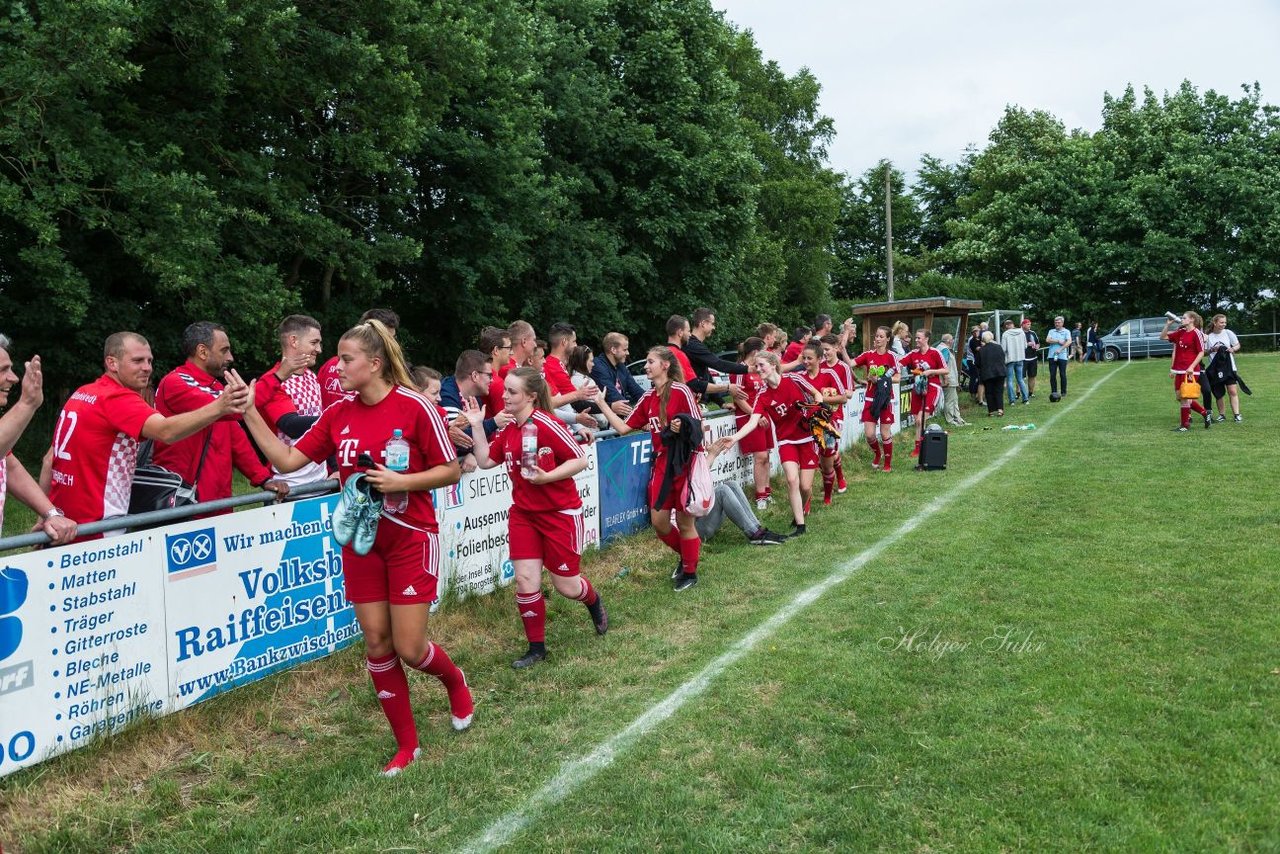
x=396, y=458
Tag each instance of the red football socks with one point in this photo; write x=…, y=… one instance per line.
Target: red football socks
x=588, y=596
x=393, y=693
x=438, y=664
x=533, y=611
x=888, y=453
x=689, y=551
x=672, y=539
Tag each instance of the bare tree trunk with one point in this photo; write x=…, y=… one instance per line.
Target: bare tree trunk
x=326, y=287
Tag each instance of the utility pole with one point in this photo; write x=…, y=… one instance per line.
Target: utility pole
x=888, y=226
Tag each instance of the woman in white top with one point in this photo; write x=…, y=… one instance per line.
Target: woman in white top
x=1222, y=374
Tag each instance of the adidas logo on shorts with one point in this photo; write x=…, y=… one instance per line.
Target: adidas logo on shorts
x=564, y=567
x=409, y=591
x=385, y=695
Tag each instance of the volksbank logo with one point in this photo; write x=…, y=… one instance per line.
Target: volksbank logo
x=508, y=570
x=191, y=554
x=13, y=593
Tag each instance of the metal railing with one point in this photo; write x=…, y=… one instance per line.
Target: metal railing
x=173, y=514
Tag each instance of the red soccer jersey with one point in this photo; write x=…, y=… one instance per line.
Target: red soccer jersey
x=557, y=378
x=754, y=385
x=646, y=412
x=95, y=450
x=792, y=352
x=351, y=427
x=929, y=360
x=1188, y=344
x=781, y=406
x=330, y=386
x=828, y=379
x=685, y=364
x=300, y=394
x=555, y=445
x=493, y=402
x=877, y=365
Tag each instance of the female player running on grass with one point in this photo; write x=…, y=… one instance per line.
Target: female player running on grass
x=779, y=403
x=827, y=382
x=392, y=586
x=760, y=442
x=835, y=358
x=545, y=523
x=657, y=409
x=878, y=362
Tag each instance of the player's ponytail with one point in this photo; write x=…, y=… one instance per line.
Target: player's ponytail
x=675, y=374
x=377, y=342
x=534, y=383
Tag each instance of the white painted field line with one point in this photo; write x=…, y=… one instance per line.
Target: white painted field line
x=579, y=771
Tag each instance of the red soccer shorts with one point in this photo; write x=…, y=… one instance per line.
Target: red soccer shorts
x=672, y=501
x=555, y=538
x=932, y=395
x=804, y=454
x=401, y=569
x=759, y=439
x=886, y=414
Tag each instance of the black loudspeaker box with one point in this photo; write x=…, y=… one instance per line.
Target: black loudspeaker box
x=933, y=451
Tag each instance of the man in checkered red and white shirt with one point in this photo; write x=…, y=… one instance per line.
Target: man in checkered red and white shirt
x=88, y=471
x=288, y=396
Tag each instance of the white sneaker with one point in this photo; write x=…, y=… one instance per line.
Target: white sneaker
x=1238, y=419
x=762, y=504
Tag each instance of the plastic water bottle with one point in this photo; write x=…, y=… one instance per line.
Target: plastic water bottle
x=529, y=448
x=396, y=458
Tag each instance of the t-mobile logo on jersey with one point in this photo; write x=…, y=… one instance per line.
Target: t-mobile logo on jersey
x=348, y=450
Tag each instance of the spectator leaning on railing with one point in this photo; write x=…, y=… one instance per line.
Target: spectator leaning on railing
x=288, y=396
x=221, y=445
x=471, y=377
x=703, y=360
x=14, y=478
x=609, y=370
x=678, y=334
x=89, y=468
x=496, y=344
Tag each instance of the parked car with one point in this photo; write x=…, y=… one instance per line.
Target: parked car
x=1136, y=338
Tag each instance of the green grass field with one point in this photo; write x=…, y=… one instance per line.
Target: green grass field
x=1066, y=641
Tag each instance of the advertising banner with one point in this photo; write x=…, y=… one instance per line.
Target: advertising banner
x=251, y=593
x=624, y=466
x=82, y=647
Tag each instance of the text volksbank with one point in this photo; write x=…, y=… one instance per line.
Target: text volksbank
x=262, y=619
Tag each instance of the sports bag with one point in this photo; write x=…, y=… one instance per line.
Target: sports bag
x=157, y=488
x=699, y=489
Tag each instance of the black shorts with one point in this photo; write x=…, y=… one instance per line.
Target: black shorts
x=1029, y=367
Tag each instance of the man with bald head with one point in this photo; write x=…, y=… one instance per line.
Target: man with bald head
x=89, y=469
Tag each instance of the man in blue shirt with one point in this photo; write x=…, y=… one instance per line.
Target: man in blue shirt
x=609, y=371
x=1059, y=340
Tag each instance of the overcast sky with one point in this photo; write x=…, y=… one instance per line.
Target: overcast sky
x=930, y=76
